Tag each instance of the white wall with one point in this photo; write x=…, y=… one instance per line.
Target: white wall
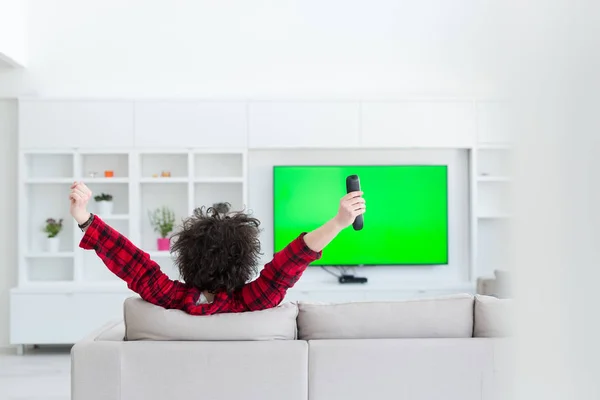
x=239, y=48
x=190, y=48
x=13, y=20
x=260, y=198
x=8, y=206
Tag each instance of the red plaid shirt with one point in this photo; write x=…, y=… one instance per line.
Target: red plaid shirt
x=144, y=276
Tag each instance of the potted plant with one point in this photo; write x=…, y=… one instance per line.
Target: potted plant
x=163, y=221
x=52, y=229
x=105, y=203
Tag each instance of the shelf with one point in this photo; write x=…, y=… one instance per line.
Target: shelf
x=105, y=180
x=56, y=167
x=50, y=269
x=494, y=216
x=220, y=180
x=52, y=181
x=61, y=254
x=97, y=163
x=73, y=287
x=333, y=285
x=216, y=165
x=115, y=217
x=494, y=179
x=164, y=180
x=208, y=193
x=175, y=164
x=197, y=177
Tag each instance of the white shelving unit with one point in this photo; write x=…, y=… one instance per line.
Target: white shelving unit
x=199, y=177
x=203, y=145
x=491, y=193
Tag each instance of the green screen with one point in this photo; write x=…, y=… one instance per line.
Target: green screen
x=406, y=222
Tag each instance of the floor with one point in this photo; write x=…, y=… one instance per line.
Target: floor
x=39, y=374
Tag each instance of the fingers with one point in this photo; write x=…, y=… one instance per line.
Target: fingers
x=76, y=198
x=356, y=201
x=358, y=212
x=81, y=187
x=80, y=192
x=352, y=195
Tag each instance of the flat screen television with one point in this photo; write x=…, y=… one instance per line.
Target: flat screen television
x=406, y=222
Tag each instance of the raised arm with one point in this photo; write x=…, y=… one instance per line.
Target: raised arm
x=287, y=266
x=122, y=257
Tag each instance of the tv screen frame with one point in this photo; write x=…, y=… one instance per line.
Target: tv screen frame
x=443, y=166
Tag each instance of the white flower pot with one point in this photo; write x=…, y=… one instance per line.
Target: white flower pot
x=105, y=208
x=53, y=244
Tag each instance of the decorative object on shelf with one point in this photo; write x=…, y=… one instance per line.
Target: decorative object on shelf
x=155, y=175
x=52, y=229
x=163, y=222
x=105, y=204
x=221, y=208
x=92, y=174
x=109, y=173
x=165, y=174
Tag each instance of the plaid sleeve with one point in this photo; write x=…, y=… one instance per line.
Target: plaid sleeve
x=280, y=274
x=132, y=265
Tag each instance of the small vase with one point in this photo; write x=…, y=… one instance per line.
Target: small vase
x=163, y=244
x=105, y=208
x=53, y=244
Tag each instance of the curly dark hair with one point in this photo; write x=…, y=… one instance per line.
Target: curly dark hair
x=217, y=251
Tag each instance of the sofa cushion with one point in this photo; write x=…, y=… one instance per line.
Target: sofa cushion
x=492, y=316
x=444, y=317
x=145, y=321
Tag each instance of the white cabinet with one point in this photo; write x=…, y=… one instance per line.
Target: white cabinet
x=57, y=124
x=496, y=122
x=196, y=124
x=304, y=124
x=44, y=317
x=418, y=124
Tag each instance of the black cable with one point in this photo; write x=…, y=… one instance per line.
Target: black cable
x=329, y=272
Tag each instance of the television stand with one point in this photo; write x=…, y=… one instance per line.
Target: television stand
x=352, y=279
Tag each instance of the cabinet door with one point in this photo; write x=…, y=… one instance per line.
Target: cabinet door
x=61, y=318
x=418, y=124
x=303, y=124
x=49, y=124
x=190, y=124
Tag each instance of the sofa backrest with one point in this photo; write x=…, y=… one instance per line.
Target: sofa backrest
x=444, y=317
x=492, y=316
x=145, y=321
x=458, y=316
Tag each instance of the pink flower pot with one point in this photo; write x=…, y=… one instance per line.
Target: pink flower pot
x=163, y=244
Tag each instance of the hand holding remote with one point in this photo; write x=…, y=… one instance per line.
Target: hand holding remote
x=355, y=202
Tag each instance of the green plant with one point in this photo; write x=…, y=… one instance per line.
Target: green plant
x=53, y=227
x=103, y=197
x=162, y=220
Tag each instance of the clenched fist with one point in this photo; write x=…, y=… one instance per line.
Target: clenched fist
x=351, y=206
x=80, y=196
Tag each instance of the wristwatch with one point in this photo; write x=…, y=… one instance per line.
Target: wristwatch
x=86, y=223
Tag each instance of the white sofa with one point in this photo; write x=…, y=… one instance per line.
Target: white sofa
x=451, y=348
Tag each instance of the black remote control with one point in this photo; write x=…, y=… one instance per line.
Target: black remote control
x=353, y=185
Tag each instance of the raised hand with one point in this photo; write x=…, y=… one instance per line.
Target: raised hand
x=351, y=206
x=79, y=196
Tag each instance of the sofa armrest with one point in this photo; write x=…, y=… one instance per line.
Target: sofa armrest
x=96, y=366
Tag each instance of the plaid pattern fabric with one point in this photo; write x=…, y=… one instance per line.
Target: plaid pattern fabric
x=144, y=276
